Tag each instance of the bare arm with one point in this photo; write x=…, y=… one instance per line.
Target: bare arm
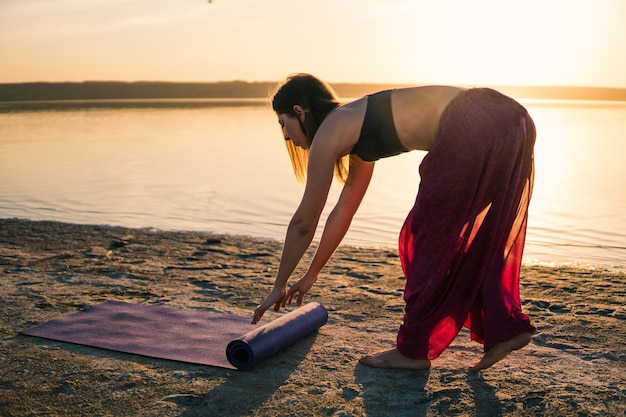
x=336, y=136
x=337, y=224
x=302, y=226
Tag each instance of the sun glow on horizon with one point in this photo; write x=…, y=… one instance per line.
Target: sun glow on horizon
x=561, y=42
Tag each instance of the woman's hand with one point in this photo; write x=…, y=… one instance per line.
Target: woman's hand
x=278, y=297
x=300, y=289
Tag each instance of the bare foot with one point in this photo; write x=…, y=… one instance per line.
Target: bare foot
x=392, y=359
x=500, y=350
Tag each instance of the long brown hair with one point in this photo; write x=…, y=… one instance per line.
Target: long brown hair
x=317, y=99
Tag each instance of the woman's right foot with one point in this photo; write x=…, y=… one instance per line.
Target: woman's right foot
x=500, y=350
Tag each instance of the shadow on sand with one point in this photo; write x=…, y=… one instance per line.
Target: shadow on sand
x=244, y=391
x=408, y=398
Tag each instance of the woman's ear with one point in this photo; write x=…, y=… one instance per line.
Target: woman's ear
x=299, y=112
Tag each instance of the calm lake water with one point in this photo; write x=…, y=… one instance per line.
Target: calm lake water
x=221, y=166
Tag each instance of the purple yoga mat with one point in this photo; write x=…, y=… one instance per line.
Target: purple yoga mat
x=264, y=341
x=184, y=335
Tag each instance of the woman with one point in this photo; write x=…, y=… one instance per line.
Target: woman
x=461, y=244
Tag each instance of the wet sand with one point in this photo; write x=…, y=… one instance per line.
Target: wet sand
x=575, y=364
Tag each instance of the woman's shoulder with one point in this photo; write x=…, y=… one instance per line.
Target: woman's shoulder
x=342, y=126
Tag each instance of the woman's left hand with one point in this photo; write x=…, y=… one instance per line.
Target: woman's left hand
x=300, y=289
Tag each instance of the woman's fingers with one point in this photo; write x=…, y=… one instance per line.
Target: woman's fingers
x=258, y=313
x=294, y=291
x=286, y=299
x=299, y=297
x=262, y=308
x=290, y=295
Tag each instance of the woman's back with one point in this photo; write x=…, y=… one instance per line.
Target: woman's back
x=415, y=110
x=416, y=113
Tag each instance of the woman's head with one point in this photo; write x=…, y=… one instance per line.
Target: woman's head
x=309, y=100
x=314, y=96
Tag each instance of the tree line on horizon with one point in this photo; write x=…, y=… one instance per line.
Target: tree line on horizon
x=111, y=90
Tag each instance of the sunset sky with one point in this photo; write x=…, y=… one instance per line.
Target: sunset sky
x=471, y=42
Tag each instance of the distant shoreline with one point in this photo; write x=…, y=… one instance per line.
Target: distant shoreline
x=111, y=90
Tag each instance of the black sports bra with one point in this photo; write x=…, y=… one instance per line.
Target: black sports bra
x=378, y=138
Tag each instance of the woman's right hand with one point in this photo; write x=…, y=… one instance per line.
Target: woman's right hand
x=277, y=297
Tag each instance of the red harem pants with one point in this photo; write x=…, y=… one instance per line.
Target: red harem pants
x=461, y=244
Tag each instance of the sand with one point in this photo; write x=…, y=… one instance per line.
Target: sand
x=575, y=364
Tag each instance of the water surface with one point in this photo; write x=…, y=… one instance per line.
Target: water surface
x=221, y=166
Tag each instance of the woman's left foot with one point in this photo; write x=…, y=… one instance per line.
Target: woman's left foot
x=392, y=359
x=500, y=350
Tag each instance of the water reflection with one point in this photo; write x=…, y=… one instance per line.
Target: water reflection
x=220, y=165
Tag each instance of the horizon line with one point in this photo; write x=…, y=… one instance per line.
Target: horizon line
x=95, y=81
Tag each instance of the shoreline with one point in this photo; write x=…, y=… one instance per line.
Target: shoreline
x=258, y=89
x=575, y=363
x=528, y=260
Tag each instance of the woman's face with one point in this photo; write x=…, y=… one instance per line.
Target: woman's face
x=292, y=130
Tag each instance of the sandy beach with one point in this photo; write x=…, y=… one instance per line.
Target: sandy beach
x=575, y=364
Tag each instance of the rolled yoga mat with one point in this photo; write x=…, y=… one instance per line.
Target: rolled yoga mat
x=263, y=342
x=184, y=335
